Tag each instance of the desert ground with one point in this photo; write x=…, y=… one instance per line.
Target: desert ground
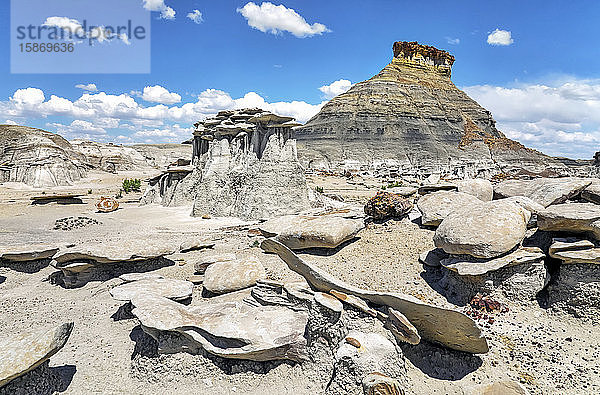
x=547, y=351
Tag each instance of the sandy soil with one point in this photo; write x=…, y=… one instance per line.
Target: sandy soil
x=547, y=351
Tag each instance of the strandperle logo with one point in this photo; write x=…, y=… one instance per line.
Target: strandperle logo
x=79, y=36
x=65, y=29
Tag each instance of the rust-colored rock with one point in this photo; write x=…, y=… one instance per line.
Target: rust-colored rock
x=107, y=204
x=386, y=205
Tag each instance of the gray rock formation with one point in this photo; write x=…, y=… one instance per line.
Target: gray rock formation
x=244, y=165
x=38, y=158
x=481, y=189
x=412, y=117
x=23, y=353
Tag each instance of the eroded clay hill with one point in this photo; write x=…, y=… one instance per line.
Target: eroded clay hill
x=413, y=117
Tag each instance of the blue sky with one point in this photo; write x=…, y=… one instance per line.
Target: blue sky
x=541, y=80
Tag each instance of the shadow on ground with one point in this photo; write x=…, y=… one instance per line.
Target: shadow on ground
x=439, y=362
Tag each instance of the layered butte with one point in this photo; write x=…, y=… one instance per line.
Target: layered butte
x=411, y=116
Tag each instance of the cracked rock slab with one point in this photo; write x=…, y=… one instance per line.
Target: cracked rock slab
x=436, y=206
x=27, y=253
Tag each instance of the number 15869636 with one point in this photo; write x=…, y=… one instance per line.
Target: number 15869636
x=47, y=47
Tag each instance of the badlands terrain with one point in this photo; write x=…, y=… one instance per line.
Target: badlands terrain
x=397, y=243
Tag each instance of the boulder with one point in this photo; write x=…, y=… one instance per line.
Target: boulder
x=449, y=328
x=525, y=202
x=464, y=267
x=483, y=230
x=380, y=384
x=300, y=231
x=387, y=205
x=480, y=188
x=81, y=263
x=571, y=217
x=256, y=333
x=403, y=191
x=26, y=351
x=229, y=276
x=436, y=206
x=165, y=287
x=545, y=191
x=590, y=255
x=122, y=250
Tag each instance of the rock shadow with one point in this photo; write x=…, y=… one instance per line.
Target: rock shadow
x=327, y=251
x=439, y=362
x=2, y=279
x=43, y=380
x=433, y=277
x=29, y=267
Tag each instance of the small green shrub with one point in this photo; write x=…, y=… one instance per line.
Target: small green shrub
x=319, y=189
x=89, y=191
x=132, y=185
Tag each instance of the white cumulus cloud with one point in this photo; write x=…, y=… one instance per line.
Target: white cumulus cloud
x=87, y=87
x=561, y=118
x=28, y=96
x=335, y=88
x=158, y=94
x=10, y=122
x=195, y=16
x=275, y=19
x=72, y=26
x=166, y=12
x=500, y=37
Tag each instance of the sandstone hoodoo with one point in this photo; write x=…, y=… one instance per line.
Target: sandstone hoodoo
x=244, y=164
x=411, y=116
